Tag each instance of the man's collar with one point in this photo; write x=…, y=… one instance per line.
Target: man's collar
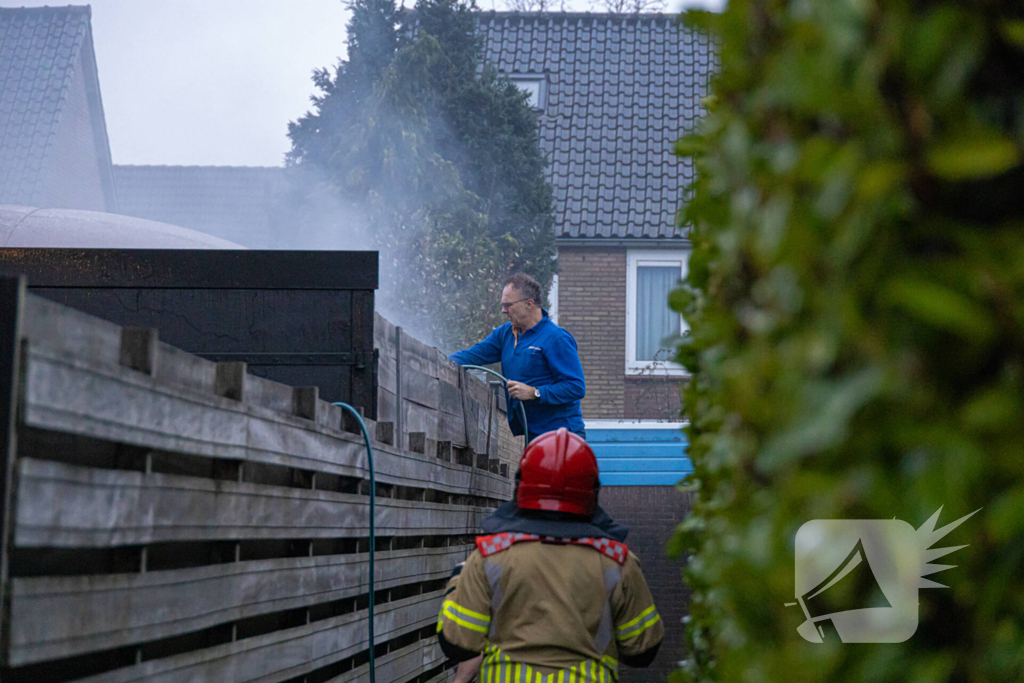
x=543, y=319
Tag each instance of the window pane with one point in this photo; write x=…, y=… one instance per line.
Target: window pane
x=532, y=88
x=654, y=319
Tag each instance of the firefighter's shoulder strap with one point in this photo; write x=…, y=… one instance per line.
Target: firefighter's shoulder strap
x=490, y=545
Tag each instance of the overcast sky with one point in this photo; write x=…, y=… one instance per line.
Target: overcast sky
x=215, y=82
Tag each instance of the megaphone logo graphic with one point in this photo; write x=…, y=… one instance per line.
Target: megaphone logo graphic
x=857, y=579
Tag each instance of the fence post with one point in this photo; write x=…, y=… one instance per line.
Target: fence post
x=12, y=297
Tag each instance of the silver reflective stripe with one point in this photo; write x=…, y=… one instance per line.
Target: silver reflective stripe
x=603, y=637
x=493, y=571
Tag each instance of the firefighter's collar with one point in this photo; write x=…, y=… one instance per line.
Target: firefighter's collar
x=507, y=518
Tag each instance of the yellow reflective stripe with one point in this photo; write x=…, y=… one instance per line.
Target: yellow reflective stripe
x=628, y=624
x=468, y=612
x=635, y=629
x=465, y=624
x=469, y=619
x=498, y=667
x=652, y=622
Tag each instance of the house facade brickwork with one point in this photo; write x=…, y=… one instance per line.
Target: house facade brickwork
x=592, y=306
x=652, y=513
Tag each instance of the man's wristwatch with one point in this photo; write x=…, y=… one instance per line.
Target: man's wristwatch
x=536, y=393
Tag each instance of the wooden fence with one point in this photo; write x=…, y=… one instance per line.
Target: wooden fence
x=167, y=518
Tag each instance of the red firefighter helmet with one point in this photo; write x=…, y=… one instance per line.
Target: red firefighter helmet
x=558, y=472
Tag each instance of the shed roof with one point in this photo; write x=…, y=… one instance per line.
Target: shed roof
x=27, y=226
x=621, y=89
x=39, y=49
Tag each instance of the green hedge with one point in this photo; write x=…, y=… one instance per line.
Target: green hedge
x=856, y=300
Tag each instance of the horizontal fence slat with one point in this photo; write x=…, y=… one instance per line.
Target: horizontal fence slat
x=55, y=617
x=62, y=505
x=420, y=419
x=69, y=331
x=400, y=665
x=284, y=654
x=68, y=396
x=450, y=398
x=418, y=356
x=420, y=388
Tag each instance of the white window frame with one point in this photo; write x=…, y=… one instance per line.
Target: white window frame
x=650, y=257
x=541, y=81
x=553, y=298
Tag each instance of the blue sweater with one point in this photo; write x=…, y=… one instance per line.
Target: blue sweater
x=544, y=357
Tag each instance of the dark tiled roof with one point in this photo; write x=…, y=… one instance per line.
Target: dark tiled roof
x=39, y=48
x=620, y=90
x=232, y=202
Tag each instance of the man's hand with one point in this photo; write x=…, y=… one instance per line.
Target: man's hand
x=520, y=391
x=468, y=670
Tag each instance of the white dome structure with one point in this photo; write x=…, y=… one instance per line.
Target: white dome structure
x=29, y=227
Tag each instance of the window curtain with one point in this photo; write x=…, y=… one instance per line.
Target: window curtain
x=654, y=319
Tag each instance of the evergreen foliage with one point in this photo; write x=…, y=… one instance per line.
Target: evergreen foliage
x=856, y=303
x=440, y=156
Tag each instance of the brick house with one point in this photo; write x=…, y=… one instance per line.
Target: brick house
x=54, y=151
x=612, y=93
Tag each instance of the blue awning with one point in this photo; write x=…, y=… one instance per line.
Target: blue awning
x=639, y=453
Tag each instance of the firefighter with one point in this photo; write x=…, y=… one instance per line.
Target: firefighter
x=540, y=604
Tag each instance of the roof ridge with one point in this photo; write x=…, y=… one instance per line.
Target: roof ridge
x=50, y=9
x=191, y=166
x=579, y=15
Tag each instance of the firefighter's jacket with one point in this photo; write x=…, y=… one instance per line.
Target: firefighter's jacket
x=550, y=610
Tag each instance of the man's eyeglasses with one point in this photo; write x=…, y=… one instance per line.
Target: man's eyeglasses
x=506, y=306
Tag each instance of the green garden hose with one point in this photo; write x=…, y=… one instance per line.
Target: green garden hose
x=373, y=528
x=373, y=495
x=522, y=410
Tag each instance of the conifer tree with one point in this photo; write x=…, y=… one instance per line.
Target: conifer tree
x=438, y=156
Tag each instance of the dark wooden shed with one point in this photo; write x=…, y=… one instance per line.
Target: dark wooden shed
x=302, y=318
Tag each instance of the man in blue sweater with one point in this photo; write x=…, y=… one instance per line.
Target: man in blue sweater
x=539, y=359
